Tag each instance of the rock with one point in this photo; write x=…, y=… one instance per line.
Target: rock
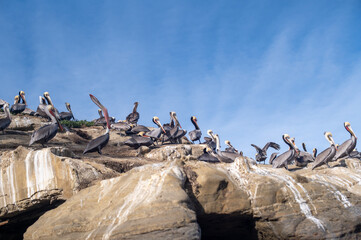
x=148, y=202
x=176, y=151
x=26, y=122
x=31, y=179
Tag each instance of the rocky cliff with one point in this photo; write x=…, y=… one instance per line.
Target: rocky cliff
x=165, y=193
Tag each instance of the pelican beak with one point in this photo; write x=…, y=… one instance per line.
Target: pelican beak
x=104, y=109
x=57, y=120
x=23, y=97
x=160, y=125
x=96, y=101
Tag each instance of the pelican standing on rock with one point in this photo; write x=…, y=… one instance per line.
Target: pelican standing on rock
x=348, y=146
x=18, y=107
x=326, y=155
x=224, y=156
x=41, y=108
x=96, y=145
x=285, y=158
x=230, y=147
x=134, y=116
x=47, y=132
x=211, y=141
x=66, y=115
x=5, y=122
x=157, y=132
x=261, y=154
x=196, y=134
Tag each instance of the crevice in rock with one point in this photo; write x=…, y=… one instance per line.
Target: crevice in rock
x=14, y=228
x=235, y=225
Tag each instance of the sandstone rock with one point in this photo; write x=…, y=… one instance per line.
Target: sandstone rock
x=30, y=179
x=148, y=202
x=176, y=151
x=26, y=122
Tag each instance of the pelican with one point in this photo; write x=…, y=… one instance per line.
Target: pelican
x=326, y=155
x=139, y=140
x=66, y=115
x=97, y=144
x=285, y=158
x=196, y=134
x=41, y=108
x=173, y=131
x=18, y=107
x=303, y=157
x=50, y=102
x=134, y=116
x=180, y=132
x=261, y=154
x=348, y=146
x=230, y=147
x=121, y=126
x=208, y=156
x=5, y=122
x=47, y=132
x=156, y=133
x=101, y=120
x=211, y=142
x=224, y=156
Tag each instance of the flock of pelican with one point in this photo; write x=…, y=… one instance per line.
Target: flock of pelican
x=172, y=133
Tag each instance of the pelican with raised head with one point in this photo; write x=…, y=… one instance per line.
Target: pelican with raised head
x=41, y=108
x=285, y=158
x=96, y=145
x=224, y=156
x=348, y=146
x=47, y=132
x=5, y=122
x=261, y=154
x=326, y=155
x=66, y=115
x=196, y=134
x=211, y=141
x=18, y=107
x=133, y=117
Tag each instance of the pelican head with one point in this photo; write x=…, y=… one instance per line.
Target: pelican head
x=68, y=106
x=210, y=133
x=227, y=142
x=51, y=111
x=16, y=99
x=329, y=138
x=175, y=118
x=141, y=134
x=48, y=98
x=157, y=122
x=349, y=129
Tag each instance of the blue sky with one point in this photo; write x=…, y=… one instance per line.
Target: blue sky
x=249, y=70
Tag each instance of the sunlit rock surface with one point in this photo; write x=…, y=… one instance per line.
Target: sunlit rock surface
x=148, y=202
x=32, y=178
x=226, y=201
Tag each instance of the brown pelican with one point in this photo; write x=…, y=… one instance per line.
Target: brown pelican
x=348, y=146
x=18, y=107
x=134, y=116
x=261, y=154
x=50, y=102
x=285, y=158
x=230, y=147
x=137, y=129
x=41, y=108
x=326, y=155
x=5, y=122
x=139, y=140
x=101, y=121
x=196, y=134
x=121, y=126
x=97, y=144
x=303, y=157
x=179, y=133
x=66, y=115
x=157, y=132
x=314, y=151
x=211, y=142
x=224, y=156
x=208, y=156
x=47, y=132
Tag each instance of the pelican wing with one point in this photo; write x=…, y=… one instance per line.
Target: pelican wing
x=323, y=157
x=342, y=149
x=44, y=134
x=258, y=149
x=283, y=158
x=272, y=145
x=97, y=144
x=132, y=117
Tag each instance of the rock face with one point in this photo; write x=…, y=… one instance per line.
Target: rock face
x=239, y=200
x=148, y=202
x=31, y=179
